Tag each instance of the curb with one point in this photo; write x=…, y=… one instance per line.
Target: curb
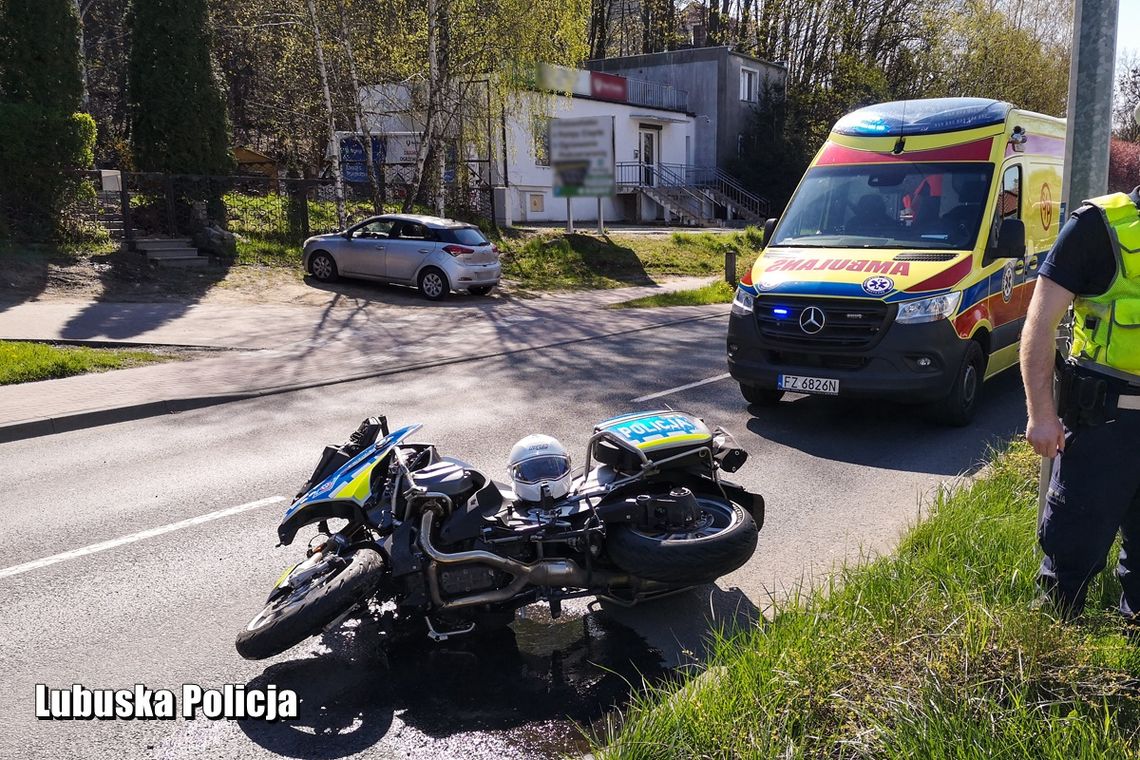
x=41, y=426
x=126, y=344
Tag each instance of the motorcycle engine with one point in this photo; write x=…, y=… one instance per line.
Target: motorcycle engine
x=465, y=579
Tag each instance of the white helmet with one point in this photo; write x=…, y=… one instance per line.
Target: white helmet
x=537, y=461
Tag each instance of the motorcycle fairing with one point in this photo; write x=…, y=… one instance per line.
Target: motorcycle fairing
x=352, y=481
x=342, y=494
x=654, y=431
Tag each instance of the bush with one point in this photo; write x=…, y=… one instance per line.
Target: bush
x=39, y=152
x=1123, y=166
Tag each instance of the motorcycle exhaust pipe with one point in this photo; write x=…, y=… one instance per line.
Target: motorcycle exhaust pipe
x=550, y=572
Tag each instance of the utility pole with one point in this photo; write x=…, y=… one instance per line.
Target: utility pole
x=1089, y=113
x=1092, y=73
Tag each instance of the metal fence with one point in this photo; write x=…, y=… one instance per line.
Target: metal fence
x=264, y=212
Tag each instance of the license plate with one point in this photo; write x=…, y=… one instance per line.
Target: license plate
x=827, y=386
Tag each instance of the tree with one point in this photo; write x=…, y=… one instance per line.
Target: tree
x=1127, y=97
x=177, y=113
x=42, y=137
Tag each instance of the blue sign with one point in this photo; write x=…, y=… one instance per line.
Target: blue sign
x=353, y=162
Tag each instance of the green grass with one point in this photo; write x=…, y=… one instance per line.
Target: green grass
x=261, y=223
x=716, y=292
x=555, y=261
x=22, y=362
x=934, y=652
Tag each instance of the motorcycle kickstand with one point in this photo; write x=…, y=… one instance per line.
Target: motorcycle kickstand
x=438, y=636
x=342, y=617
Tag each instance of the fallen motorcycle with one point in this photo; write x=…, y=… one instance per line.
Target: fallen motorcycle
x=454, y=552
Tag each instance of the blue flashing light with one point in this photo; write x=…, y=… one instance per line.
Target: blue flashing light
x=918, y=117
x=780, y=311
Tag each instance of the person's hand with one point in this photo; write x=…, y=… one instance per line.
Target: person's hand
x=1046, y=436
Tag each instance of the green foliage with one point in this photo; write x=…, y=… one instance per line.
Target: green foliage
x=557, y=261
x=42, y=139
x=28, y=362
x=713, y=293
x=932, y=653
x=39, y=54
x=176, y=108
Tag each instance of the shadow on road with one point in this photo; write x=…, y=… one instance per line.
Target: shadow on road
x=895, y=436
x=520, y=692
x=166, y=295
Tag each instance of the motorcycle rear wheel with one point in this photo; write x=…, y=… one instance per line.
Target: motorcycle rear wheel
x=723, y=540
x=290, y=618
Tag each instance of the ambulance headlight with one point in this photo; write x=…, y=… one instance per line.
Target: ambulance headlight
x=742, y=303
x=929, y=309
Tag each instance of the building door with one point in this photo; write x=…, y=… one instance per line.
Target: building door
x=648, y=142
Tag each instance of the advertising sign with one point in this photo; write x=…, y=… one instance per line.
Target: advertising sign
x=393, y=149
x=582, y=156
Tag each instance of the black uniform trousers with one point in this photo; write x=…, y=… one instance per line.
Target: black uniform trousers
x=1094, y=492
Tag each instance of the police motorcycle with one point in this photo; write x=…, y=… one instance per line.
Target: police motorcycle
x=444, y=550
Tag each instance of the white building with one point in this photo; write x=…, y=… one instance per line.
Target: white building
x=654, y=147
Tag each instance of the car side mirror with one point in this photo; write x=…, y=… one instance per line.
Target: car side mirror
x=769, y=228
x=1010, y=243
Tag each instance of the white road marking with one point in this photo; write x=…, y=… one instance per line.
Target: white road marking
x=697, y=384
x=133, y=537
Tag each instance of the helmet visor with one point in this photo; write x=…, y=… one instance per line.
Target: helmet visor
x=539, y=469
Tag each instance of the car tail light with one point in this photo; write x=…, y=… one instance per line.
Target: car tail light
x=494, y=248
x=457, y=250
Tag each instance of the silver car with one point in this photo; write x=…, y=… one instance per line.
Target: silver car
x=436, y=255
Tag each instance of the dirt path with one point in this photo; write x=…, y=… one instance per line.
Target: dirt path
x=128, y=278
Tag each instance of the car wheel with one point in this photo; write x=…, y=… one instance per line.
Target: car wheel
x=434, y=284
x=958, y=408
x=323, y=267
x=479, y=290
x=760, y=396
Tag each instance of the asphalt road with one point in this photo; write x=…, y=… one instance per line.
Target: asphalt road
x=841, y=480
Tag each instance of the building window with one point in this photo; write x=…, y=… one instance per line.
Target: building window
x=749, y=79
x=541, y=129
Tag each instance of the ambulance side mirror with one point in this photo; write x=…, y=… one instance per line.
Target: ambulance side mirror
x=769, y=228
x=1010, y=243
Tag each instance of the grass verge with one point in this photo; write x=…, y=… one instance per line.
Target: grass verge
x=556, y=261
x=715, y=292
x=22, y=362
x=931, y=653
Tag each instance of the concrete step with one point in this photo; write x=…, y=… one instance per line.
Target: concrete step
x=162, y=244
x=183, y=262
x=171, y=253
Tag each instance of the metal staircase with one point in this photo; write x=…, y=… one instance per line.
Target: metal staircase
x=706, y=196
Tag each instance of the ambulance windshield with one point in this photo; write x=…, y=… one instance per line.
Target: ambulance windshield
x=895, y=205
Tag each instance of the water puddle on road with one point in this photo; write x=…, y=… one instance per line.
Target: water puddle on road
x=525, y=692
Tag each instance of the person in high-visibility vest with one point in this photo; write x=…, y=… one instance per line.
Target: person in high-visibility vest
x=1092, y=427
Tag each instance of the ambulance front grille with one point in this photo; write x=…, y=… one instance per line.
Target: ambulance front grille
x=848, y=323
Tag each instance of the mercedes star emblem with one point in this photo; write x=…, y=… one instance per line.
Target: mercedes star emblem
x=812, y=320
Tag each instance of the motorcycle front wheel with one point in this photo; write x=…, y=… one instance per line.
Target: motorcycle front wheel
x=291, y=617
x=722, y=540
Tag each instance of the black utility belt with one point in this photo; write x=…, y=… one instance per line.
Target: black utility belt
x=1084, y=398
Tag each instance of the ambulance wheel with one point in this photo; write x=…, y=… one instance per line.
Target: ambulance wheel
x=958, y=408
x=760, y=396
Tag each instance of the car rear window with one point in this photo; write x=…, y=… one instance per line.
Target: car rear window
x=466, y=236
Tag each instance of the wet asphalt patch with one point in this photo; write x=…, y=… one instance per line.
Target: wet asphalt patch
x=537, y=689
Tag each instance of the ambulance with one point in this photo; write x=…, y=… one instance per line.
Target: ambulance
x=903, y=265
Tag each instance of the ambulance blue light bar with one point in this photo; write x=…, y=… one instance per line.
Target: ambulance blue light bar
x=922, y=117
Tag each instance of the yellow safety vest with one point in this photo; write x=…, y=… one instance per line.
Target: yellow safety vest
x=1106, y=330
